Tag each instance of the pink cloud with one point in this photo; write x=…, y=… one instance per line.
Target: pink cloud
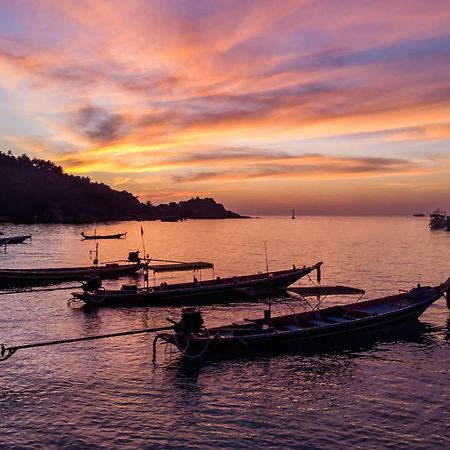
x=150, y=86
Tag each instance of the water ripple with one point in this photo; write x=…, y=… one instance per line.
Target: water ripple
x=388, y=392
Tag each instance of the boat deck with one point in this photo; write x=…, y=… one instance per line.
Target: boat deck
x=334, y=316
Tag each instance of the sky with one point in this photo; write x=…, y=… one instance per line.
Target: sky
x=325, y=107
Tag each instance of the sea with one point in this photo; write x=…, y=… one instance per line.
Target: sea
x=381, y=391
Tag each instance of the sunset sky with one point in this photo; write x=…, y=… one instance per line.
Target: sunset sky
x=325, y=107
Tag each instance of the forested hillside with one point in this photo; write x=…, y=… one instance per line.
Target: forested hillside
x=35, y=190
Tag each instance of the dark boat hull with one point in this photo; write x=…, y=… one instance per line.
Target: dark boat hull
x=14, y=240
x=205, y=293
x=105, y=236
x=302, y=338
x=438, y=220
x=30, y=277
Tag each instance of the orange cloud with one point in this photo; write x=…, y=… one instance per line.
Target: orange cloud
x=206, y=94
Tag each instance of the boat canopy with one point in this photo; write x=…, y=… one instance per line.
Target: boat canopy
x=180, y=267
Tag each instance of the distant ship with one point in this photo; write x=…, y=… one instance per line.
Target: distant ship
x=293, y=214
x=419, y=215
x=438, y=219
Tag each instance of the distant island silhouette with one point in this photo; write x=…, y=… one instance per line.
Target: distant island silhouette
x=38, y=191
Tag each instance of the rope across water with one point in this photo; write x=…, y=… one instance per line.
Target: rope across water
x=7, y=352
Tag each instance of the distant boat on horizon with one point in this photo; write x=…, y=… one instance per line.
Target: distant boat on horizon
x=103, y=236
x=293, y=214
x=419, y=215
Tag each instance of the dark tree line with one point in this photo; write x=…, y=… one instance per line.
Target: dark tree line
x=35, y=190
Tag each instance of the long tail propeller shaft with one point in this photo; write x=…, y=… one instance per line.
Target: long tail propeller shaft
x=7, y=352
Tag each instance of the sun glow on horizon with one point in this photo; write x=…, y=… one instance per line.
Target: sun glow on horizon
x=246, y=102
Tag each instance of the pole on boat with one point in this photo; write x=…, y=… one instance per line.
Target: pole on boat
x=265, y=251
x=267, y=312
x=7, y=352
x=146, y=259
x=95, y=252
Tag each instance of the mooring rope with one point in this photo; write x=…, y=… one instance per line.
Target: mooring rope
x=29, y=291
x=7, y=352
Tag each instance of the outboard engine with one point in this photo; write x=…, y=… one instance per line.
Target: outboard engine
x=418, y=292
x=92, y=284
x=191, y=321
x=133, y=257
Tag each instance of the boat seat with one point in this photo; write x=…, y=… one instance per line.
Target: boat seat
x=356, y=314
x=337, y=319
x=318, y=323
x=290, y=327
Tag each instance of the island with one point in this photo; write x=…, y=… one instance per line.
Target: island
x=39, y=191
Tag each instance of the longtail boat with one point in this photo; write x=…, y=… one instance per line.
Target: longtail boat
x=33, y=277
x=194, y=341
x=14, y=239
x=212, y=291
x=302, y=329
x=103, y=236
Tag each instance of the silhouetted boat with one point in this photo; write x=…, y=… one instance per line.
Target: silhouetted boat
x=419, y=215
x=103, y=236
x=302, y=329
x=310, y=291
x=51, y=275
x=30, y=277
x=293, y=214
x=14, y=239
x=170, y=219
x=219, y=290
x=438, y=219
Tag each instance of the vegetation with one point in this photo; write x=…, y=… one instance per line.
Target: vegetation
x=195, y=208
x=35, y=190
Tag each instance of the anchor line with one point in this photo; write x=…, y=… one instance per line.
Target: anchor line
x=7, y=352
x=30, y=291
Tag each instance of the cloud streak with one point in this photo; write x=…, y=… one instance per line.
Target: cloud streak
x=209, y=92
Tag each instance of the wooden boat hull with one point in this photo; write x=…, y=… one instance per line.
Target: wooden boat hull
x=308, y=330
x=30, y=277
x=14, y=240
x=104, y=236
x=208, y=292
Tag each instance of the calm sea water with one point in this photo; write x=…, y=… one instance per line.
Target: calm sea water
x=391, y=392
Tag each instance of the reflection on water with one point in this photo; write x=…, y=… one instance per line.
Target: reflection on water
x=327, y=355
x=379, y=391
